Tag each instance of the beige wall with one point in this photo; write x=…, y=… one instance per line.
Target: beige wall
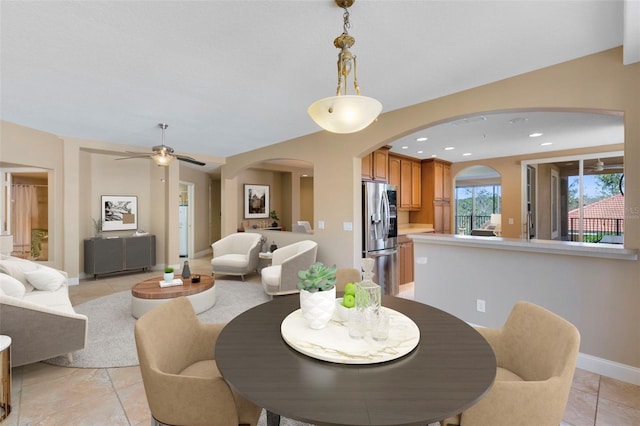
x=81, y=171
x=598, y=83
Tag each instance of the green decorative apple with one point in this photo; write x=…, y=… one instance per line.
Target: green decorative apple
x=350, y=288
x=348, y=301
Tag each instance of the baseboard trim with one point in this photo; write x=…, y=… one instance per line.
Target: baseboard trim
x=605, y=367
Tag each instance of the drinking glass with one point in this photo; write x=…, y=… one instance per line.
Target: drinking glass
x=380, y=325
x=356, y=324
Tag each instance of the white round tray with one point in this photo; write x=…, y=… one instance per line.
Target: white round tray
x=333, y=343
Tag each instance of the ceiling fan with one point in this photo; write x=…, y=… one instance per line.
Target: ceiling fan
x=163, y=155
x=600, y=166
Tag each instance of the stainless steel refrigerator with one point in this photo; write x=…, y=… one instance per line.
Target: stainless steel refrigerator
x=380, y=233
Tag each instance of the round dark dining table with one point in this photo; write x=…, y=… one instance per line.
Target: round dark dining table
x=452, y=368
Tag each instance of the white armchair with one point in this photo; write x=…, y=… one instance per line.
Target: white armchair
x=282, y=276
x=236, y=254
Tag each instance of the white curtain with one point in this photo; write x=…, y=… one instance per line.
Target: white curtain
x=24, y=213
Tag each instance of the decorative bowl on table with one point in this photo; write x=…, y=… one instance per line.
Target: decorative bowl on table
x=343, y=311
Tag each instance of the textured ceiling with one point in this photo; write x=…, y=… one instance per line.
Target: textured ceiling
x=231, y=76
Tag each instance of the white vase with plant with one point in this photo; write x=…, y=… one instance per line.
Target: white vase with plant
x=168, y=274
x=317, y=287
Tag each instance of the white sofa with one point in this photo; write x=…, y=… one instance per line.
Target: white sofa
x=36, y=312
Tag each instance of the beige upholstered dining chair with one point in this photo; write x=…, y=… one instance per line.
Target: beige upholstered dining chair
x=536, y=353
x=282, y=276
x=236, y=254
x=179, y=372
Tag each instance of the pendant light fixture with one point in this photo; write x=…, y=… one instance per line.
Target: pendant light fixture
x=345, y=113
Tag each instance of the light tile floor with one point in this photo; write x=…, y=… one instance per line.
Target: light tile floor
x=44, y=394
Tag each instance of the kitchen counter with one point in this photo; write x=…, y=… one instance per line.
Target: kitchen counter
x=611, y=251
x=415, y=228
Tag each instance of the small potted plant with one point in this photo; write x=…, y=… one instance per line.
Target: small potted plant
x=317, y=286
x=168, y=274
x=273, y=215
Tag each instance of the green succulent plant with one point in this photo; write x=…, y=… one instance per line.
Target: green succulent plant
x=317, y=277
x=168, y=270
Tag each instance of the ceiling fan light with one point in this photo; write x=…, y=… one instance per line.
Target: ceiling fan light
x=162, y=159
x=345, y=113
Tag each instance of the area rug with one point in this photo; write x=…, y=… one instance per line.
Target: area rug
x=110, y=340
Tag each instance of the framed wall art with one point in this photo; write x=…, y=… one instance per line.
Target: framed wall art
x=256, y=201
x=119, y=212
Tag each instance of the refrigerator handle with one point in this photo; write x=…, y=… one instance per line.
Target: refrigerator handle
x=386, y=214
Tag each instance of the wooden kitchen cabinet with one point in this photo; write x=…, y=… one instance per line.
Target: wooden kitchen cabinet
x=416, y=185
x=436, y=196
x=405, y=259
x=394, y=172
x=375, y=166
x=405, y=173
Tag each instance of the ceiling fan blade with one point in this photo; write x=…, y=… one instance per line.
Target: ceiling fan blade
x=135, y=156
x=189, y=160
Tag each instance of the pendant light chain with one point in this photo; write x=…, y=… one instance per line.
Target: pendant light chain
x=347, y=24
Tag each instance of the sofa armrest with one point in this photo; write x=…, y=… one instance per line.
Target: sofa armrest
x=38, y=332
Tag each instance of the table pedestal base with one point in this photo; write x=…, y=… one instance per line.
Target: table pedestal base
x=273, y=419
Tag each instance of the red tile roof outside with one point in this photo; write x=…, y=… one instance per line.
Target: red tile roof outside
x=607, y=210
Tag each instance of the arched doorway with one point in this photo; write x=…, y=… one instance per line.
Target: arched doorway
x=478, y=201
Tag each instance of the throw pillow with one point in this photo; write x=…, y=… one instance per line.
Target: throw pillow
x=11, y=287
x=16, y=267
x=45, y=279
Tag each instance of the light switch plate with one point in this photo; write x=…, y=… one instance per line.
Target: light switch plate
x=347, y=226
x=321, y=224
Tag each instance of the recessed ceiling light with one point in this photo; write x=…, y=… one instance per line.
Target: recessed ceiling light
x=546, y=143
x=405, y=147
x=421, y=139
x=466, y=154
x=535, y=135
x=449, y=148
x=420, y=152
x=434, y=155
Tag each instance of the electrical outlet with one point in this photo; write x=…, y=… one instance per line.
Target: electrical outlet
x=321, y=224
x=480, y=305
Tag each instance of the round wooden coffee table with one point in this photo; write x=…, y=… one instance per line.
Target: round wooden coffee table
x=148, y=294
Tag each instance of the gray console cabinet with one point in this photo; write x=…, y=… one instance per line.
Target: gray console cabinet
x=109, y=255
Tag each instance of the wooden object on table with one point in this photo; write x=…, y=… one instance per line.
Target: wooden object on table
x=150, y=289
x=5, y=377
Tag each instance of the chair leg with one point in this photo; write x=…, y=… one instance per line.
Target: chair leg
x=242, y=277
x=155, y=422
x=70, y=357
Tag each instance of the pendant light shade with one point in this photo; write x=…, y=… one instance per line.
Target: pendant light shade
x=345, y=113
